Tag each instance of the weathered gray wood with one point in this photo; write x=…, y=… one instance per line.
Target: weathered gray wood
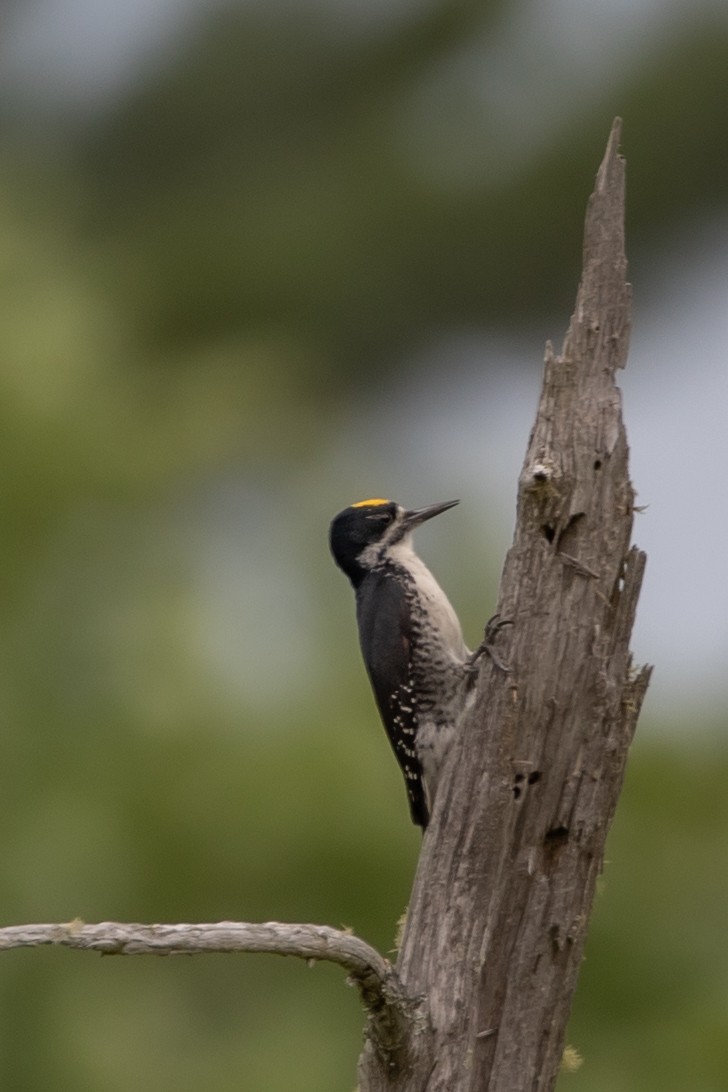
x=390, y=1012
x=504, y=887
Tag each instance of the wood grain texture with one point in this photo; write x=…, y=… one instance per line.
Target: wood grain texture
x=505, y=883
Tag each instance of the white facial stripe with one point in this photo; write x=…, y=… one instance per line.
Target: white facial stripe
x=371, y=554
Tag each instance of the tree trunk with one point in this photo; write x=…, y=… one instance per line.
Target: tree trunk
x=498, y=915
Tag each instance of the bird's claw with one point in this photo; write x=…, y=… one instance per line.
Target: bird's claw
x=492, y=628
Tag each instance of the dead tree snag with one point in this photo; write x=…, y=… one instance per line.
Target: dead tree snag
x=506, y=878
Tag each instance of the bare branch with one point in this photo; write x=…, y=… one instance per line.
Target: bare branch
x=388, y=1009
x=117, y=938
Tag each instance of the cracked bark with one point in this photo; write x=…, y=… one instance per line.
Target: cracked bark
x=504, y=887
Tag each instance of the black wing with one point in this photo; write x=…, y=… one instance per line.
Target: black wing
x=384, y=626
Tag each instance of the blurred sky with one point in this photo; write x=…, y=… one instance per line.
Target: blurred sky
x=81, y=54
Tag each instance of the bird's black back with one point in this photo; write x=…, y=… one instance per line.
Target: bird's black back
x=383, y=614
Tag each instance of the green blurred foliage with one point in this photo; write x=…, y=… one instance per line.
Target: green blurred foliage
x=650, y=1009
x=196, y=287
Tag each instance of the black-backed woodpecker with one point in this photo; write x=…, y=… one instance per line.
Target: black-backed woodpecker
x=410, y=637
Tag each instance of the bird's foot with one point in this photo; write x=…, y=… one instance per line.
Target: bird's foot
x=486, y=647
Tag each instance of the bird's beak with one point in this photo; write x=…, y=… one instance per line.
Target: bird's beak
x=419, y=515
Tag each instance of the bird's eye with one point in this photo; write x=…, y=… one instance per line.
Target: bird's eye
x=381, y=517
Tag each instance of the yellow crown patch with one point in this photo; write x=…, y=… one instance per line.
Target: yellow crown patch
x=372, y=501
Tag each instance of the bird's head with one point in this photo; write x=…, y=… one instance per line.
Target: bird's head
x=363, y=534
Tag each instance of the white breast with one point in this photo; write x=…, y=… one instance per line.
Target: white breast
x=434, y=599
